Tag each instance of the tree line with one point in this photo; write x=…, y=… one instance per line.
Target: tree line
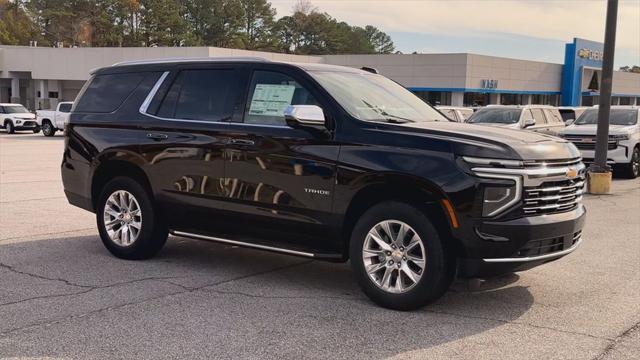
x=241, y=24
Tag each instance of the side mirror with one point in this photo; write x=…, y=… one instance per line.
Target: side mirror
x=298, y=116
x=569, y=122
x=529, y=123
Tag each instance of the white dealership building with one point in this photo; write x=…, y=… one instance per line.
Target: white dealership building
x=39, y=77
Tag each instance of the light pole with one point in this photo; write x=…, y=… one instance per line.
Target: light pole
x=599, y=171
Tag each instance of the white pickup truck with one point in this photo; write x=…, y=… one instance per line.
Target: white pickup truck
x=51, y=121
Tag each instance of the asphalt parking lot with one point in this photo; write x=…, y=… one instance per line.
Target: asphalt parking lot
x=62, y=295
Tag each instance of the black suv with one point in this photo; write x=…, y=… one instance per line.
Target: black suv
x=326, y=162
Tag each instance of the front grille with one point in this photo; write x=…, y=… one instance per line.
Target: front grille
x=29, y=123
x=548, y=246
x=553, y=196
x=588, y=142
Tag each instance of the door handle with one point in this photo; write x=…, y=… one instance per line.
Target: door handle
x=243, y=142
x=157, y=137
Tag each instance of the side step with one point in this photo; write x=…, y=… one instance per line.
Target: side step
x=319, y=256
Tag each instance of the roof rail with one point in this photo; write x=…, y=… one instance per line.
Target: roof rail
x=192, y=59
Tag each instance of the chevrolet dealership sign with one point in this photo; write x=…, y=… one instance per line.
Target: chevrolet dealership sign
x=595, y=55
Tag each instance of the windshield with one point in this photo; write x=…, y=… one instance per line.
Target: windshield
x=617, y=117
x=495, y=116
x=15, y=109
x=372, y=97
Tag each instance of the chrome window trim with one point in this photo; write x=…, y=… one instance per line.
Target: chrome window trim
x=152, y=93
x=154, y=90
x=539, y=257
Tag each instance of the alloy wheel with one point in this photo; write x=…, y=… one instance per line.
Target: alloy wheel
x=394, y=256
x=122, y=218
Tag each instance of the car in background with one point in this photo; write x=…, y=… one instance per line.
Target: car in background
x=571, y=113
x=456, y=113
x=51, y=121
x=623, y=149
x=540, y=118
x=15, y=117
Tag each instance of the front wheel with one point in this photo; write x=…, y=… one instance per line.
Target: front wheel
x=48, y=129
x=9, y=127
x=632, y=170
x=398, y=257
x=129, y=226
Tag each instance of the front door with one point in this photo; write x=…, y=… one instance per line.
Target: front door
x=280, y=180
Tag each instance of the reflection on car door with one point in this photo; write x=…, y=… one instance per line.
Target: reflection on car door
x=279, y=179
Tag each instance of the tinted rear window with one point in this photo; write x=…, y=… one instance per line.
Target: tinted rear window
x=106, y=93
x=205, y=94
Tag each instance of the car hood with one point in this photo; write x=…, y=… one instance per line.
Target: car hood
x=23, y=116
x=493, y=142
x=591, y=129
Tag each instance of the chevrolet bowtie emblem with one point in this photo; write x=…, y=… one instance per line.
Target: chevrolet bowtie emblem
x=572, y=173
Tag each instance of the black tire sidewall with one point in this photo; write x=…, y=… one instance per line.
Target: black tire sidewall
x=435, y=279
x=9, y=127
x=634, y=154
x=153, y=233
x=48, y=130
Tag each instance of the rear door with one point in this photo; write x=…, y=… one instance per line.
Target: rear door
x=279, y=180
x=62, y=115
x=186, y=133
x=541, y=121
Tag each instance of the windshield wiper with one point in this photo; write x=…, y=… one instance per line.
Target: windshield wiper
x=388, y=117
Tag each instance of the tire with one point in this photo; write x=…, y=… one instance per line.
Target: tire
x=9, y=127
x=431, y=282
x=632, y=169
x=36, y=129
x=140, y=244
x=48, y=129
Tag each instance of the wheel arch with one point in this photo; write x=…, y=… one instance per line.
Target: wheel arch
x=111, y=168
x=418, y=192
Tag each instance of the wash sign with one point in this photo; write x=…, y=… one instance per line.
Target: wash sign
x=578, y=55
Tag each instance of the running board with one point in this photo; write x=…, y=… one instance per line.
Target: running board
x=333, y=257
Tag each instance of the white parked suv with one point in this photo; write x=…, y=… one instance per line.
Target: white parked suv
x=53, y=120
x=624, y=138
x=456, y=113
x=541, y=118
x=16, y=117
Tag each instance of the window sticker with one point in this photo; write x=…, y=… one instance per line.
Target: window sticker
x=271, y=100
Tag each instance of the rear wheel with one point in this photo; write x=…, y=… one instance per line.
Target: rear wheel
x=129, y=226
x=398, y=257
x=48, y=129
x=632, y=170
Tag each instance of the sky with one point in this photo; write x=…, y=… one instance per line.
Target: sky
x=521, y=29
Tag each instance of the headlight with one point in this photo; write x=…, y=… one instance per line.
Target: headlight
x=619, y=137
x=18, y=122
x=498, y=198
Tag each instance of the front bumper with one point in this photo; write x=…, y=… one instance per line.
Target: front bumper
x=532, y=241
x=620, y=155
x=26, y=125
